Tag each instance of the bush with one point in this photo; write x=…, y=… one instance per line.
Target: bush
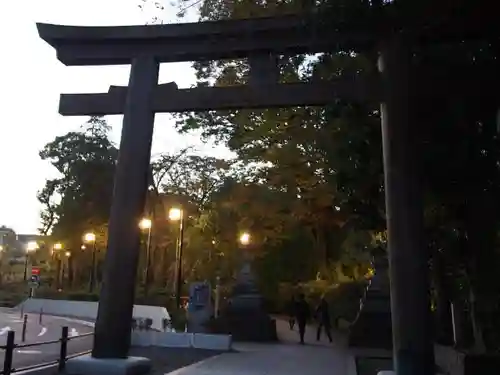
x=12, y=295
x=71, y=295
x=179, y=319
x=344, y=300
x=80, y=296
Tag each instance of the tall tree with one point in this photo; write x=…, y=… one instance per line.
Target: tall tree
x=80, y=199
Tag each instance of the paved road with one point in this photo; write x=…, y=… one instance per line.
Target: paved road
x=49, y=330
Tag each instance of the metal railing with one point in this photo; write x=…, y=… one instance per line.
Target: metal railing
x=11, y=346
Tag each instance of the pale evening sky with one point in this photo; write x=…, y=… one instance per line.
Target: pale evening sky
x=31, y=79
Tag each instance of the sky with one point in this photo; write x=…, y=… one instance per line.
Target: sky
x=31, y=79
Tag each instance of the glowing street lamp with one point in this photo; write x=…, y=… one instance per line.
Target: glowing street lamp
x=146, y=224
x=90, y=239
x=177, y=214
x=245, y=238
x=56, y=248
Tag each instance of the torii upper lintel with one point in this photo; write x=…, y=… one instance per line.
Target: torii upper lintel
x=215, y=40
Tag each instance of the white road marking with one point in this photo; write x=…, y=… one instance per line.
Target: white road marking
x=42, y=332
x=4, y=330
x=82, y=322
x=29, y=351
x=73, y=332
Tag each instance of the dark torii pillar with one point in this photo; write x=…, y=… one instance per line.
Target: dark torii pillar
x=112, y=328
x=408, y=258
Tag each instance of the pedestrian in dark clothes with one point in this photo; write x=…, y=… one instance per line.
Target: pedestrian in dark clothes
x=291, y=312
x=303, y=314
x=323, y=317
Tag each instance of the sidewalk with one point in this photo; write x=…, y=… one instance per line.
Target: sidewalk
x=284, y=358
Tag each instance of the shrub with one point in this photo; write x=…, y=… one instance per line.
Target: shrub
x=344, y=300
x=179, y=319
x=81, y=296
x=11, y=297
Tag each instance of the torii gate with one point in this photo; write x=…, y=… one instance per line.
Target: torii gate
x=259, y=40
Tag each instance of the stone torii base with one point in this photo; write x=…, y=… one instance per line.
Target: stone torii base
x=88, y=365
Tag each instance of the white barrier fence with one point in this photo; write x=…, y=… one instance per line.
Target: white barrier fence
x=88, y=310
x=182, y=340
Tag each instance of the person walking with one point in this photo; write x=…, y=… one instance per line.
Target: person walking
x=303, y=314
x=323, y=317
x=291, y=312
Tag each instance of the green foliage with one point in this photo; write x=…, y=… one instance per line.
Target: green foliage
x=70, y=295
x=79, y=199
x=12, y=295
x=179, y=319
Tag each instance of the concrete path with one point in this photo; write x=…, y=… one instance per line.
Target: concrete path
x=285, y=358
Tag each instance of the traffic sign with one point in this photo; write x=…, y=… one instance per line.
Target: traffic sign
x=34, y=281
x=35, y=271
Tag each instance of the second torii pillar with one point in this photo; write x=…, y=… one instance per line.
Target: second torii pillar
x=408, y=259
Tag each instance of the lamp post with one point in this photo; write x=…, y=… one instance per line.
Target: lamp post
x=246, y=272
x=55, y=251
x=90, y=239
x=177, y=214
x=246, y=283
x=146, y=224
x=30, y=248
x=64, y=266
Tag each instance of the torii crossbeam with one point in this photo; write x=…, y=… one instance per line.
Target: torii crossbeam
x=168, y=98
